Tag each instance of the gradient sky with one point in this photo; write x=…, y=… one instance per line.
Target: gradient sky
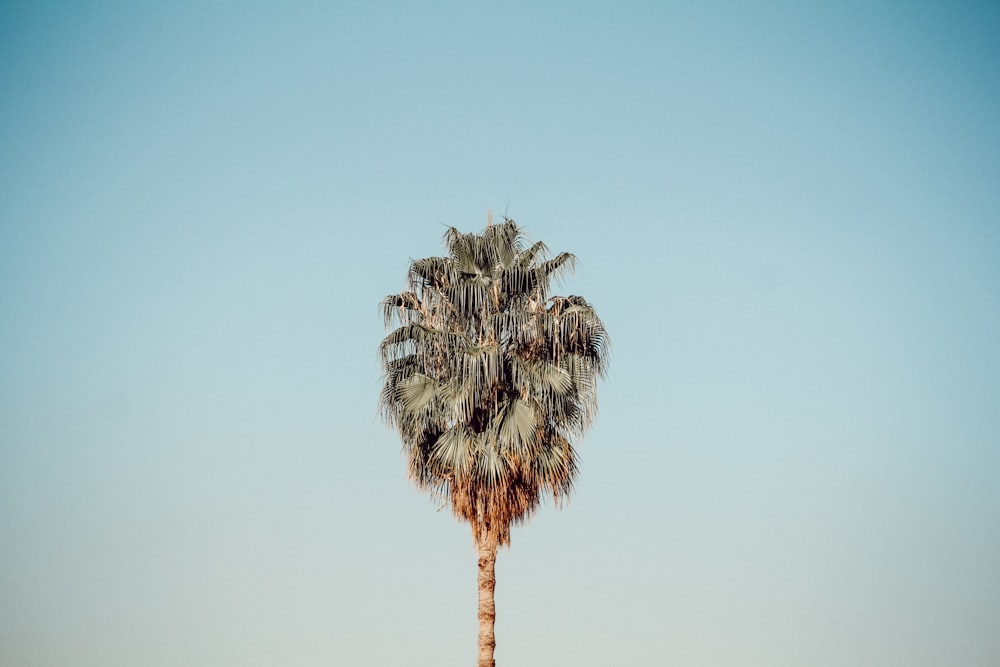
x=788, y=216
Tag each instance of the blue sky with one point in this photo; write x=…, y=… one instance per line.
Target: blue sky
x=788, y=216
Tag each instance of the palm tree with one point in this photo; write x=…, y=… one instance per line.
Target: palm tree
x=489, y=379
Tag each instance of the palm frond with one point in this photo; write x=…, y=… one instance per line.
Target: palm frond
x=415, y=393
x=536, y=253
x=516, y=427
x=419, y=339
x=455, y=451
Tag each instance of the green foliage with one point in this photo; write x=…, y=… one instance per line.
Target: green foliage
x=488, y=378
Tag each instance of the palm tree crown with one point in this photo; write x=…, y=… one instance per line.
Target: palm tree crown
x=489, y=378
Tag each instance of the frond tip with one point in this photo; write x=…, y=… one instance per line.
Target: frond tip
x=489, y=378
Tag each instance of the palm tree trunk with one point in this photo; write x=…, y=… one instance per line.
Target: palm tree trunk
x=487, y=610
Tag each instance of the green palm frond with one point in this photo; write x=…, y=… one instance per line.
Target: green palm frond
x=419, y=340
x=468, y=297
x=491, y=468
x=555, y=466
x=515, y=427
x=455, y=450
x=416, y=392
x=432, y=272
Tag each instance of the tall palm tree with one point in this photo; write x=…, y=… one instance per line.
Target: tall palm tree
x=489, y=379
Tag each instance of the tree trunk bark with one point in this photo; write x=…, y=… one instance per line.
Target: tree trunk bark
x=487, y=610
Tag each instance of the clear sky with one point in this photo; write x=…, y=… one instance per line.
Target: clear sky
x=788, y=214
